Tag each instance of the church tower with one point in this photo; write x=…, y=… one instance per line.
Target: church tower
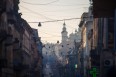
x=64, y=33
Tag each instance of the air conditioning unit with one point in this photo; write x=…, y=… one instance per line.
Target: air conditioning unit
x=108, y=62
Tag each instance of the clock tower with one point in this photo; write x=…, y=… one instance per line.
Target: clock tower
x=64, y=33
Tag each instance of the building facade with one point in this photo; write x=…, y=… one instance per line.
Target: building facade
x=84, y=51
x=104, y=35
x=16, y=53
x=97, y=49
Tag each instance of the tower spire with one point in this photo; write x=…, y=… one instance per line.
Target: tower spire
x=64, y=33
x=64, y=24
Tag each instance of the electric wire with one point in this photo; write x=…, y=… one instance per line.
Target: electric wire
x=61, y=10
x=44, y=41
x=53, y=34
x=49, y=21
x=51, y=3
x=56, y=32
x=51, y=37
x=36, y=13
x=61, y=23
x=53, y=20
x=43, y=31
x=69, y=4
x=40, y=4
x=56, y=20
x=47, y=17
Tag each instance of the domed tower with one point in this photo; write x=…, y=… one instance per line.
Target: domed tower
x=64, y=33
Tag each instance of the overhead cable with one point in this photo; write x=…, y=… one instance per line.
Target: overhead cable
x=40, y=4
x=36, y=13
x=49, y=3
x=56, y=20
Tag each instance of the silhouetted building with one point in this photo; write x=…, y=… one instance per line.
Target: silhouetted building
x=15, y=42
x=104, y=44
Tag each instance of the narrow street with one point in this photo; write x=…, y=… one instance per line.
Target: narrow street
x=55, y=70
x=57, y=38
x=47, y=70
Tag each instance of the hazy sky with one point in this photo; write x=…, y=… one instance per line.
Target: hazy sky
x=49, y=10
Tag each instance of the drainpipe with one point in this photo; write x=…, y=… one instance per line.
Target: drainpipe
x=100, y=25
x=115, y=38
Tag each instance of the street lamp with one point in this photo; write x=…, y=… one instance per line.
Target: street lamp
x=39, y=24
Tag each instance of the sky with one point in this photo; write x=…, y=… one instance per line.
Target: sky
x=52, y=10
